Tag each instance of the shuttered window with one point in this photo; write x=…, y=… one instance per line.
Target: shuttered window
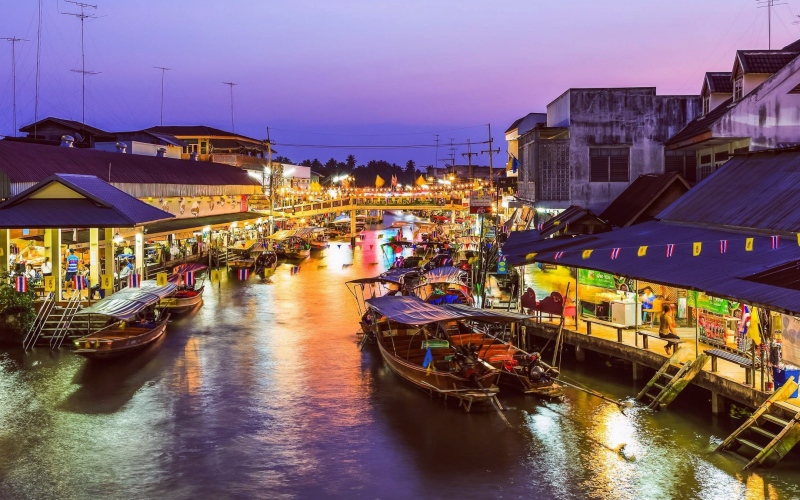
x=609, y=164
x=683, y=162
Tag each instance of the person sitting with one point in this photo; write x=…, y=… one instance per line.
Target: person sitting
x=127, y=270
x=666, y=328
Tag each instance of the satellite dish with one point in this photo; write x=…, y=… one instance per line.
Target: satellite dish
x=78, y=137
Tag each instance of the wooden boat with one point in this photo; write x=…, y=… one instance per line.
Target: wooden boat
x=406, y=335
x=315, y=237
x=266, y=262
x=134, y=322
x=444, y=285
x=187, y=296
x=293, y=248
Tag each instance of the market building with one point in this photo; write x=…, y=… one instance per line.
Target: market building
x=596, y=142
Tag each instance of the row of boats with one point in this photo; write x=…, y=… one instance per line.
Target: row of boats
x=428, y=332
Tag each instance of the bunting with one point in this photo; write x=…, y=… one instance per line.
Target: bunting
x=670, y=250
x=615, y=253
x=776, y=242
x=697, y=247
x=558, y=255
x=21, y=284
x=642, y=251
x=586, y=254
x=723, y=246
x=134, y=280
x=748, y=245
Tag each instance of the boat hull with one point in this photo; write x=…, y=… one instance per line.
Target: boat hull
x=299, y=254
x=178, y=304
x=100, y=348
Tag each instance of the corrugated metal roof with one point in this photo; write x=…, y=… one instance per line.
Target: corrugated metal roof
x=719, y=274
x=759, y=190
x=640, y=195
x=719, y=81
x=570, y=215
x=103, y=206
x=174, y=225
x=763, y=61
x=25, y=162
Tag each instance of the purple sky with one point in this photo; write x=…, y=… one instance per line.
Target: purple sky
x=366, y=72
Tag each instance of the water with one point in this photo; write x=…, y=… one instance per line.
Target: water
x=263, y=393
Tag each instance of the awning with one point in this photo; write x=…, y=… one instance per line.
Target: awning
x=198, y=223
x=179, y=270
x=410, y=310
x=451, y=274
x=128, y=302
x=663, y=252
x=305, y=232
x=282, y=234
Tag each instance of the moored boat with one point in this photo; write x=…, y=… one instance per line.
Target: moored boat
x=133, y=322
x=188, y=295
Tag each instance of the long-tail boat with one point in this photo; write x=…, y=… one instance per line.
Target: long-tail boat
x=133, y=321
x=188, y=294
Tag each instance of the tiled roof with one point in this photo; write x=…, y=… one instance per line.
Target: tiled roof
x=719, y=82
x=758, y=190
x=67, y=124
x=197, y=131
x=793, y=46
x=700, y=124
x=102, y=205
x=25, y=162
x=763, y=61
x=641, y=194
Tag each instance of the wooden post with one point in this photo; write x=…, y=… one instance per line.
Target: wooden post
x=139, y=252
x=94, y=256
x=5, y=250
x=52, y=249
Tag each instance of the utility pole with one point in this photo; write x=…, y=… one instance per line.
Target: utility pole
x=14, y=41
x=83, y=17
x=163, y=70
x=491, y=152
x=437, y=150
x=769, y=4
x=38, y=61
x=231, y=85
x=469, y=154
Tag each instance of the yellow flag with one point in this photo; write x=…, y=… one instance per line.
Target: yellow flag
x=379, y=182
x=49, y=284
x=697, y=246
x=748, y=245
x=587, y=254
x=420, y=181
x=161, y=279
x=753, y=331
x=530, y=256
x=798, y=240
x=107, y=281
x=215, y=276
x=642, y=251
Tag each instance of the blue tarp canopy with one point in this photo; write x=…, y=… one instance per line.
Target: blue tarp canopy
x=179, y=270
x=729, y=274
x=446, y=274
x=128, y=302
x=413, y=311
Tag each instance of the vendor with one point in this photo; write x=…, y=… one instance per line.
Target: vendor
x=647, y=297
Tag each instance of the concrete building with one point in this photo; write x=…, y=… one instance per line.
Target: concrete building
x=520, y=127
x=596, y=142
x=753, y=107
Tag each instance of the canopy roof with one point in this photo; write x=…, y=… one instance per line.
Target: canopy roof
x=396, y=275
x=485, y=315
x=128, y=302
x=448, y=274
x=414, y=311
x=282, y=234
x=177, y=271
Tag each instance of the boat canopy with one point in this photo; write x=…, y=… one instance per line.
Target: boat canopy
x=397, y=275
x=128, y=302
x=244, y=245
x=304, y=232
x=486, y=315
x=447, y=274
x=410, y=310
x=282, y=234
x=189, y=267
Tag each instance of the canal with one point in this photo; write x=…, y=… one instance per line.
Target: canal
x=263, y=393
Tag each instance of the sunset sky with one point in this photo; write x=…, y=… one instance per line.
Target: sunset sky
x=366, y=72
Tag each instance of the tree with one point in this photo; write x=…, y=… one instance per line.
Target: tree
x=282, y=159
x=350, y=162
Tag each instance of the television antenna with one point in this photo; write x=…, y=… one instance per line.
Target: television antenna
x=769, y=4
x=83, y=16
x=14, y=41
x=231, y=85
x=163, y=71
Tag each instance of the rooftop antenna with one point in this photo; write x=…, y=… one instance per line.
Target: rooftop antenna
x=437, y=150
x=163, y=70
x=769, y=4
x=14, y=41
x=469, y=154
x=83, y=17
x=38, y=59
x=491, y=152
x=231, y=85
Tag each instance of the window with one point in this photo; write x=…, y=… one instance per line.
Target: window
x=706, y=104
x=203, y=148
x=191, y=146
x=553, y=170
x=683, y=162
x=609, y=164
x=721, y=157
x=737, y=89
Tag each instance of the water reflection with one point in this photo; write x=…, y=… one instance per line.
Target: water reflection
x=262, y=392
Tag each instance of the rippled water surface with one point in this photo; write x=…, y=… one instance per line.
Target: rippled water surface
x=262, y=392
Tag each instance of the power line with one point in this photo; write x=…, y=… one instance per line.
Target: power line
x=14, y=41
x=231, y=85
x=163, y=71
x=83, y=17
x=382, y=146
x=435, y=132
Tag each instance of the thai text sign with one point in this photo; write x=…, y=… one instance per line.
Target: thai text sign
x=479, y=203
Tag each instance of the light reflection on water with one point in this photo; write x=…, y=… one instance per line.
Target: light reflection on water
x=262, y=392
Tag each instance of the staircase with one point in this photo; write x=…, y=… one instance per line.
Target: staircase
x=65, y=320
x=42, y=316
x=770, y=432
x=670, y=380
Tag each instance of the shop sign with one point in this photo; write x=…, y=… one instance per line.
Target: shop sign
x=596, y=278
x=479, y=203
x=700, y=300
x=502, y=266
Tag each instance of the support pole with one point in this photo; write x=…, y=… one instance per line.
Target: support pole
x=5, y=250
x=108, y=258
x=94, y=256
x=141, y=267
x=52, y=249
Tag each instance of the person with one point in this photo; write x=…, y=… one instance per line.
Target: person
x=127, y=250
x=666, y=329
x=30, y=273
x=47, y=267
x=128, y=269
x=72, y=266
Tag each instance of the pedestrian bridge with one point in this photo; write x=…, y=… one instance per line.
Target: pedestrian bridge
x=352, y=204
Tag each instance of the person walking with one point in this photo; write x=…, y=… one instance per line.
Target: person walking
x=72, y=266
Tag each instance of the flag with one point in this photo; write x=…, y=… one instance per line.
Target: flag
x=748, y=245
x=188, y=278
x=427, y=363
x=21, y=284
x=697, y=247
x=558, y=255
x=744, y=320
x=243, y=274
x=379, y=182
x=420, y=181
x=754, y=330
x=540, y=226
x=510, y=163
x=530, y=256
x=514, y=165
x=615, y=253
x=776, y=242
x=586, y=254
x=394, y=181
x=642, y=251
x=670, y=249
x=79, y=282
x=134, y=280
x=723, y=246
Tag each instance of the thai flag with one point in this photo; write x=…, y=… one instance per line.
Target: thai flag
x=540, y=226
x=188, y=278
x=243, y=274
x=670, y=249
x=78, y=282
x=775, y=242
x=615, y=253
x=723, y=246
x=744, y=321
x=21, y=284
x=134, y=280
x=558, y=255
